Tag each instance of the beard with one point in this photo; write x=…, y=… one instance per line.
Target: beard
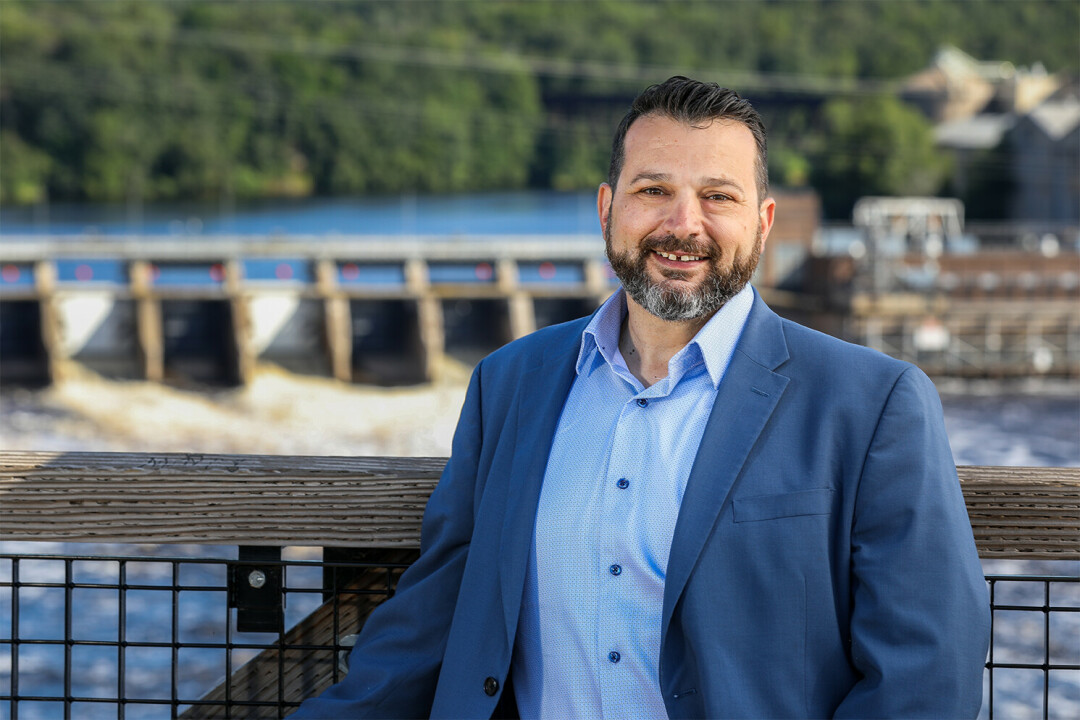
x=666, y=299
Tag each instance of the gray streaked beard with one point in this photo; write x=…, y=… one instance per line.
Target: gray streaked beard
x=663, y=301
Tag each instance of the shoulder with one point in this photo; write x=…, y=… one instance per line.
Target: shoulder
x=850, y=392
x=815, y=347
x=828, y=365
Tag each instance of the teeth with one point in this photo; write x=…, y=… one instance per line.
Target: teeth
x=680, y=258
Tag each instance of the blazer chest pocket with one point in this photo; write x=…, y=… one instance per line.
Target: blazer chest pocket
x=818, y=501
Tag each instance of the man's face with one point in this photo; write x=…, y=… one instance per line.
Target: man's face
x=684, y=228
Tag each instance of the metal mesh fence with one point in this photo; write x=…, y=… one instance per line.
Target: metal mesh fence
x=1034, y=647
x=104, y=636
x=137, y=637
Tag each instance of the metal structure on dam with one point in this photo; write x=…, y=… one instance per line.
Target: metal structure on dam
x=208, y=310
x=392, y=310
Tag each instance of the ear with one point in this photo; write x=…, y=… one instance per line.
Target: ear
x=603, y=205
x=765, y=217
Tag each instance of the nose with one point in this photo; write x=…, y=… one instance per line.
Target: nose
x=684, y=218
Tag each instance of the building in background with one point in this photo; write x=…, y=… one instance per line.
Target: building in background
x=1043, y=148
x=956, y=87
x=1014, y=134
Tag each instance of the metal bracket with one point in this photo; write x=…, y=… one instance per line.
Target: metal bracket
x=255, y=589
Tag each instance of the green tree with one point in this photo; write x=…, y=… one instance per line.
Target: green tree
x=206, y=99
x=23, y=171
x=874, y=146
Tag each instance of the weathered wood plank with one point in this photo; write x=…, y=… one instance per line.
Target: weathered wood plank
x=1023, y=512
x=215, y=499
x=379, y=502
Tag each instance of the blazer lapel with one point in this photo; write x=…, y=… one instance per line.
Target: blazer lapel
x=747, y=396
x=542, y=394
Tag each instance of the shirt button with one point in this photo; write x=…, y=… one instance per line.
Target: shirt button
x=642, y=402
x=623, y=483
x=613, y=656
x=491, y=686
x=615, y=569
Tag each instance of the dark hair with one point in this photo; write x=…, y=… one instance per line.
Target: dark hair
x=695, y=103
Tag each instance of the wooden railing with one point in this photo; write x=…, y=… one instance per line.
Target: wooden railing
x=358, y=502
x=369, y=503
x=374, y=502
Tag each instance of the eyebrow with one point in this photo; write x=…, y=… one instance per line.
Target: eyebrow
x=722, y=181
x=657, y=177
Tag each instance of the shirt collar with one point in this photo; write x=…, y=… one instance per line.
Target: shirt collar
x=601, y=335
x=715, y=342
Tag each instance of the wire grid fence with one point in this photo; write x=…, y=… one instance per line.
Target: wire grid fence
x=119, y=636
x=1035, y=638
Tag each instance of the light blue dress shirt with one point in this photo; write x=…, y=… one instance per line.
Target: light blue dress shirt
x=588, y=641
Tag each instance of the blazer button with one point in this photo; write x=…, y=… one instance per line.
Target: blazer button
x=491, y=686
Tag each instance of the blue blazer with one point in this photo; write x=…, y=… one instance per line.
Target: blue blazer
x=822, y=563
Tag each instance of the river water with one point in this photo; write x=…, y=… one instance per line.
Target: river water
x=534, y=212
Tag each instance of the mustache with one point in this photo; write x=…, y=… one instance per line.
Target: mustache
x=673, y=244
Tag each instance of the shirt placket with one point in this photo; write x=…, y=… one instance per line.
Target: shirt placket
x=623, y=483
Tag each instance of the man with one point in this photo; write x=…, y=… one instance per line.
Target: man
x=684, y=505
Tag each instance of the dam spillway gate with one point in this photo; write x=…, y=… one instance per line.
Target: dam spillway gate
x=208, y=311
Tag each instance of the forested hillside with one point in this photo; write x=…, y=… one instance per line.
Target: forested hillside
x=150, y=101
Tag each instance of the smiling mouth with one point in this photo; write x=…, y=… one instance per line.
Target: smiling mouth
x=675, y=257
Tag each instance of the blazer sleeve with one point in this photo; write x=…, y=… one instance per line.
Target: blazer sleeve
x=394, y=666
x=920, y=624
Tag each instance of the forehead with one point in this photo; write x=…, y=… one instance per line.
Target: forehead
x=657, y=143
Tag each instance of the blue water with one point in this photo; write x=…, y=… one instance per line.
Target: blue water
x=513, y=213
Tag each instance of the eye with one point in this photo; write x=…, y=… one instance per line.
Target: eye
x=652, y=190
x=718, y=197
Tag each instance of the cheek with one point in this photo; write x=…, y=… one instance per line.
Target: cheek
x=632, y=217
x=731, y=232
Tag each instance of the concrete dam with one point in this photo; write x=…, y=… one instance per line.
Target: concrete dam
x=207, y=311
x=401, y=310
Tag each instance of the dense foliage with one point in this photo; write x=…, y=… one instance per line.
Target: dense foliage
x=144, y=101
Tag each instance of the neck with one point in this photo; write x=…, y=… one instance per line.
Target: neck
x=647, y=343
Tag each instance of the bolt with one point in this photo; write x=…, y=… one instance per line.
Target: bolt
x=257, y=579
